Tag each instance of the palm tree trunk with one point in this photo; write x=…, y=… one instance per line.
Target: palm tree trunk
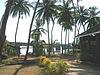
x=4, y=23
x=52, y=38
x=31, y=28
x=75, y=28
x=61, y=41
x=48, y=38
x=65, y=41
x=16, y=35
x=68, y=40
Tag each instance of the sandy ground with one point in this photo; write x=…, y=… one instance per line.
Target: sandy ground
x=84, y=70
x=76, y=69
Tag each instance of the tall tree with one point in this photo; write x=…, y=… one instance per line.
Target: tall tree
x=66, y=40
x=4, y=22
x=31, y=28
x=65, y=17
x=75, y=14
x=36, y=33
x=52, y=36
x=93, y=19
x=46, y=12
x=20, y=8
x=67, y=28
x=82, y=18
x=61, y=40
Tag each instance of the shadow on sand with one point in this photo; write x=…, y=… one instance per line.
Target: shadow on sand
x=25, y=64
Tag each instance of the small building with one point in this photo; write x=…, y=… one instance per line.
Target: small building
x=90, y=45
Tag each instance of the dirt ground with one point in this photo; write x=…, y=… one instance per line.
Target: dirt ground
x=83, y=70
x=33, y=69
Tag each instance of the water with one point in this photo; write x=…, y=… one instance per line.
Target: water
x=24, y=48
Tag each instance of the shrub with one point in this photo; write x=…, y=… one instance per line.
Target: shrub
x=42, y=58
x=8, y=61
x=45, y=61
x=62, y=67
x=49, y=70
x=58, y=68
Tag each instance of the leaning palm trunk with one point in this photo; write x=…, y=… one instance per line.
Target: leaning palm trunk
x=3, y=28
x=52, y=38
x=18, y=52
x=65, y=41
x=49, y=48
x=31, y=28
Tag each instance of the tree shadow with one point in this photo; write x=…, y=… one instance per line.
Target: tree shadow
x=83, y=69
x=26, y=63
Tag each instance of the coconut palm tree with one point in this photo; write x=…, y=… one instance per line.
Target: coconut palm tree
x=46, y=12
x=20, y=8
x=61, y=40
x=93, y=19
x=34, y=13
x=75, y=21
x=3, y=25
x=67, y=27
x=65, y=17
x=66, y=40
x=52, y=35
x=82, y=18
x=37, y=32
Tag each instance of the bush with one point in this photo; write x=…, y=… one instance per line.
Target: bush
x=62, y=67
x=58, y=68
x=8, y=61
x=45, y=61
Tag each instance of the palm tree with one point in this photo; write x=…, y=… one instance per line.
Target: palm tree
x=20, y=8
x=67, y=27
x=93, y=19
x=35, y=34
x=66, y=40
x=4, y=22
x=52, y=36
x=65, y=17
x=82, y=18
x=75, y=15
x=31, y=28
x=61, y=40
x=46, y=12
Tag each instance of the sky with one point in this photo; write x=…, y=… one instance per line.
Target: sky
x=22, y=35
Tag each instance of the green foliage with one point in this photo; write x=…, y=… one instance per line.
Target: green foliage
x=35, y=35
x=62, y=67
x=50, y=70
x=58, y=68
x=38, y=49
x=9, y=49
x=45, y=61
x=8, y=61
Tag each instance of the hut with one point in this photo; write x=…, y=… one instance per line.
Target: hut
x=90, y=45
